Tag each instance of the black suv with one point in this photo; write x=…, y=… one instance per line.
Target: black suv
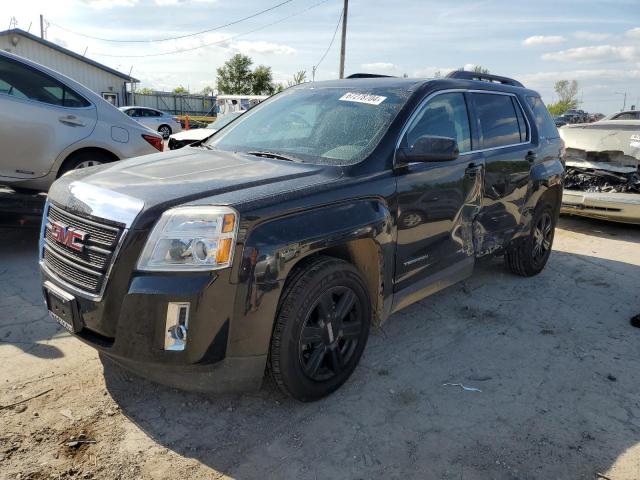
x=280, y=240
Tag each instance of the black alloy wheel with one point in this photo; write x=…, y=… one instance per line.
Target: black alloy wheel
x=542, y=237
x=330, y=334
x=529, y=255
x=321, y=328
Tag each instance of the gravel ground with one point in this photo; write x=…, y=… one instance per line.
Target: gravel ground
x=554, y=357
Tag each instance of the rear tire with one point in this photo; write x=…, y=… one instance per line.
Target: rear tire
x=90, y=158
x=165, y=131
x=530, y=255
x=321, y=328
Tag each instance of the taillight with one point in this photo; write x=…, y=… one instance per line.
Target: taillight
x=156, y=142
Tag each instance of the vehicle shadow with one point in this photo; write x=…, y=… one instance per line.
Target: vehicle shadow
x=555, y=359
x=24, y=322
x=600, y=228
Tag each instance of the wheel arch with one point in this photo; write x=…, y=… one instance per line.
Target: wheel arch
x=274, y=250
x=71, y=156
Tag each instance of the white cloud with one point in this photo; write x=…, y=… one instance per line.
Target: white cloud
x=379, y=66
x=107, y=4
x=262, y=47
x=537, y=40
x=633, y=33
x=598, y=53
x=591, y=36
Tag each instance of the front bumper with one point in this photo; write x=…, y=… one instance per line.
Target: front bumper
x=130, y=330
x=617, y=207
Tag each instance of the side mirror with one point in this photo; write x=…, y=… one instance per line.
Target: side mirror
x=430, y=148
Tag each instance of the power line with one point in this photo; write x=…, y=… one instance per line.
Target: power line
x=166, y=39
x=315, y=67
x=219, y=42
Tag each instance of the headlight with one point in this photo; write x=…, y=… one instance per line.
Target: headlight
x=191, y=238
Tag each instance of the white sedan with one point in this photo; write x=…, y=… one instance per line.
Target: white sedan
x=161, y=122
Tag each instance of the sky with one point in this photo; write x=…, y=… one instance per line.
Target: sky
x=595, y=42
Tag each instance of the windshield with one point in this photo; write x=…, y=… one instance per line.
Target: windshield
x=222, y=121
x=330, y=126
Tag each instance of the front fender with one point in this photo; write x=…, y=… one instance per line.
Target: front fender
x=273, y=248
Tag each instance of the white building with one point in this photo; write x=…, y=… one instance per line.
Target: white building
x=105, y=81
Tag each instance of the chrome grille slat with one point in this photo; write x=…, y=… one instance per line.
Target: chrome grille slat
x=86, y=270
x=103, y=235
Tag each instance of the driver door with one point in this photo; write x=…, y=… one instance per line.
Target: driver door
x=437, y=202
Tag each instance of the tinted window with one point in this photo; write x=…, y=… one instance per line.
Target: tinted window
x=24, y=82
x=499, y=124
x=444, y=115
x=544, y=122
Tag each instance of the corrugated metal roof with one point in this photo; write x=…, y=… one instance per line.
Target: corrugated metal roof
x=30, y=36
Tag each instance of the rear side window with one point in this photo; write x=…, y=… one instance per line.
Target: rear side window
x=544, y=122
x=445, y=115
x=499, y=125
x=25, y=82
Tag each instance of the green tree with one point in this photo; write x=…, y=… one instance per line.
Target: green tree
x=262, y=81
x=298, y=78
x=479, y=69
x=559, y=108
x=567, y=91
x=476, y=69
x=144, y=90
x=235, y=76
x=208, y=90
x=180, y=90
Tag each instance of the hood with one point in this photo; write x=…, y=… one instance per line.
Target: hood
x=194, y=135
x=159, y=181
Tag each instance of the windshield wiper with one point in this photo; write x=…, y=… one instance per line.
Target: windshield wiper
x=276, y=155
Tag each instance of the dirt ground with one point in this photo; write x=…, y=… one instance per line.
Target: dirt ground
x=554, y=357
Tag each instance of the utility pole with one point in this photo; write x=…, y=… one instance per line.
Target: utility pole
x=41, y=26
x=344, y=36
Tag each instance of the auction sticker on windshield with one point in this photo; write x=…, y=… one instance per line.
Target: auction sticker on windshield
x=363, y=98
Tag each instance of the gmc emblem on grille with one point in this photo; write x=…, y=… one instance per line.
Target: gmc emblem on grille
x=67, y=235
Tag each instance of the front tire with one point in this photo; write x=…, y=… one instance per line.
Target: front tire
x=321, y=328
x=530, y=255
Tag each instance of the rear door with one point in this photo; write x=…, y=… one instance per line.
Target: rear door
x=39, y=118
x=504, y=137
x=437, y=201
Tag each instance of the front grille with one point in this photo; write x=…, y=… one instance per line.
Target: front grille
x=87, y=269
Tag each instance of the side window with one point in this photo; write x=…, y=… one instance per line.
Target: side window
x=544, y=122
x=522, y=124
x=625, y=116
x=445, y=115
x=499, y=124
x=154, y=113
x=25, y=82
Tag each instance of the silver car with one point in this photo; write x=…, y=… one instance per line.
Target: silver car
x=161, y=122
x=50, y=124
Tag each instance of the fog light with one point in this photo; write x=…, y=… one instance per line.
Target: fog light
x=177, y=325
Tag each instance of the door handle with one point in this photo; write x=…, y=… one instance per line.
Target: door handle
x=472, y=170
x=71, y=120
x=531, y=156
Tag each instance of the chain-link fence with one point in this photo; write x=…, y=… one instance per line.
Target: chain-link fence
x=177, y=104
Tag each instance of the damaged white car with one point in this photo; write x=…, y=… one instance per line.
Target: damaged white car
x=603, y=176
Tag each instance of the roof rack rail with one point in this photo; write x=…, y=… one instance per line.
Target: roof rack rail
x=369, y=75
x=484, y=77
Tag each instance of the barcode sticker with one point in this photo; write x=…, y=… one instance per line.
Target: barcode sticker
x=363, y=98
